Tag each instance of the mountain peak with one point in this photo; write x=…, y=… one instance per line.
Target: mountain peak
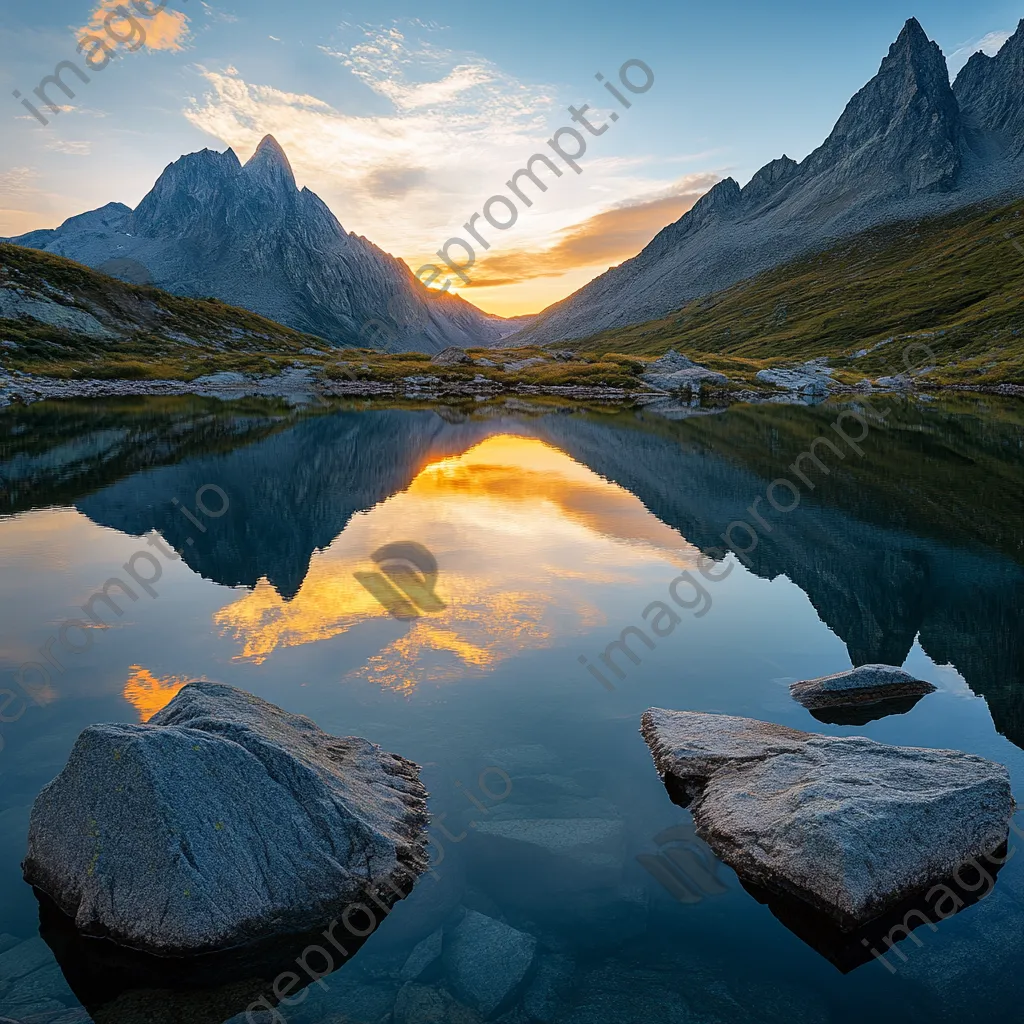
x=904, y=125
x=270, y=163
x=912, y=34
x=989, y=89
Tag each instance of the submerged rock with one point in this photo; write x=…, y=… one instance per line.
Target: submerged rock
x=422, y=1004
x=846, y=824
x=222, y=821
x=487, y=962
x=867, y=684
x=423, y=956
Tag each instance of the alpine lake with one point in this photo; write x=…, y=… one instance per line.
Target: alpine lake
x=246, y=533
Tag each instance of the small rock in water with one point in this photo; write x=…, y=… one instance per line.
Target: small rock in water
x=222, y=821
x=865, y=684
x=846, y=824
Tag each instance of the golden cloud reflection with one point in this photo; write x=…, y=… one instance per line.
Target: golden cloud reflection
x=521, y=532
x=149, y=693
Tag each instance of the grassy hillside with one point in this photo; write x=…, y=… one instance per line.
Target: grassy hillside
x=959, y=277
x=153, y=334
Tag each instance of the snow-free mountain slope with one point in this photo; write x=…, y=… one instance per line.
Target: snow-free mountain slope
x=247, y=235
x=907, y=145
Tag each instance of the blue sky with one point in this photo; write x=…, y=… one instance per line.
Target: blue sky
x=405, y=124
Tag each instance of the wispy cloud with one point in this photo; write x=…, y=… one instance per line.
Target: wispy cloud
x=600, y=241
x=72, y=148
x=455, y=129
x=21, y=200
x=164, y=29
x=991, y=44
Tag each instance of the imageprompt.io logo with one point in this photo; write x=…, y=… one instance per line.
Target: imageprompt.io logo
x=405, y=584
x=685, y=865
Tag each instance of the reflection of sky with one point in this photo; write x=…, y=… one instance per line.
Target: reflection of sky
x=520, y=532
x=540, y=561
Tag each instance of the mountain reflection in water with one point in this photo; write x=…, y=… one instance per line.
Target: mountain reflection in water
x=478, y=513
x=552, y=530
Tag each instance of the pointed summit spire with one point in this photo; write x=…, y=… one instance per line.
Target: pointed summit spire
x=269, y=164
x=903, y=125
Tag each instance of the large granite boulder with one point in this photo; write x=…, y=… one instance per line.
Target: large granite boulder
x=222, y=821
x=846, y=824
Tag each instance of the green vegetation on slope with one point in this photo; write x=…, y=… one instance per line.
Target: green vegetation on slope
x=957, y=280
x=154, y=335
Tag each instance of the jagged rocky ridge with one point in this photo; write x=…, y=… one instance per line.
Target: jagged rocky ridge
x=246, y=234
x=908, y=145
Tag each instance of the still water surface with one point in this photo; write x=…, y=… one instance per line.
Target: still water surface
x=553, y=531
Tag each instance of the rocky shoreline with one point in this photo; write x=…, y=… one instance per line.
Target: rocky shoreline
x=303, y=383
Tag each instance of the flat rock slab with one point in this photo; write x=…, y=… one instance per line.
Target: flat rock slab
x=849, y=825
x=222, y=821
x=866, y=684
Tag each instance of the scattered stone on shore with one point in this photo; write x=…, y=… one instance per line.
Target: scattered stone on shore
x=451, y=356
x=685, y=380
x=671, y=362
x=675, y=372
x=487, y=962
x=221, y=821
x=813, y=379
x=848, y=825
x=866, y=684
x=522, y=364
x=899, y=382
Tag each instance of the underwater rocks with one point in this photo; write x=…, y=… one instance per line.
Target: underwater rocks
x=487, y=962
x=223, y=821
x=848, y=825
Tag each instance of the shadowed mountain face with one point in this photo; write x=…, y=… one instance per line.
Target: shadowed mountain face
x=907, y=146
x=289, y=495
x=885, y=547
x=248, y=236
x=989, y=91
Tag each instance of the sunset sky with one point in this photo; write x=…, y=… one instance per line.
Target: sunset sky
x=405, y=126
